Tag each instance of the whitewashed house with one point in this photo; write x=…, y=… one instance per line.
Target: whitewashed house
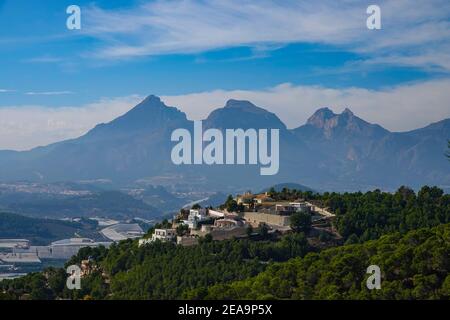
x=164, y=235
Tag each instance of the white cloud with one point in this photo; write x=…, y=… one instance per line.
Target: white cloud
x=399, y=108
x=24, y=127
x=190, y=26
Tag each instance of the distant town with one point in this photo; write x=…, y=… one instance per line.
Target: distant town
x=251, y=212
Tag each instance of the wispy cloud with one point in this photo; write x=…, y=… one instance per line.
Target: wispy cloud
x=6, y=90
x=44, y=59
x=48, y=93
x=419, y=29
x=398, y=108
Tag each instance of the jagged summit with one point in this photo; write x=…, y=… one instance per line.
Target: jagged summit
x=321, y=116
x=343, y=124
x=150, y=113
x=151, y=106
x=151, y=101
x=348, y=111
x=325, y=117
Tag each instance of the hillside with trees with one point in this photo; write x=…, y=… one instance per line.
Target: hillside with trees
x=407, y=234
x=413, y=266
x=367, y=216
x=159, y=270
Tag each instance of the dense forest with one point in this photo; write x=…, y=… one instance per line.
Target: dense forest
x=406, y=234
x=367, y=216
x=159, y=270
x=413, y=266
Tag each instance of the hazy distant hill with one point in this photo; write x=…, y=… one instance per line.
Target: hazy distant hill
x=330, y=152
x=215, y=200
x=160, y=198
x=289, y=185
x=111, y=204
x=44, y=231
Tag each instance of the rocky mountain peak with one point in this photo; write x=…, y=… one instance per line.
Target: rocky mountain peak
x=320, y=118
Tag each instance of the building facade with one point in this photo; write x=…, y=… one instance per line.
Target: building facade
x=255, y=218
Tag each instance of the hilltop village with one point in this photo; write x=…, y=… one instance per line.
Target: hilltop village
x=246, y=215
x=256, y=216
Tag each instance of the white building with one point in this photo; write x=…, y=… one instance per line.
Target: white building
x=292, y=207
x=301, y=206
x=164, y=235
x=216, y=213
x=199, y=214
x=195, y=216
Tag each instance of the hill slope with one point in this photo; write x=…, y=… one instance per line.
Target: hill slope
x=112, y=204
x=43, y=231
x=413, y=266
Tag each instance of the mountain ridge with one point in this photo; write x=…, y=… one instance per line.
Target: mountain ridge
x=242, y=114
x=330, y=151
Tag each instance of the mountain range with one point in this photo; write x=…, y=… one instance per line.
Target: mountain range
x=333, y=152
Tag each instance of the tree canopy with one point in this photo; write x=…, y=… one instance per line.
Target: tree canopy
x=413, y=266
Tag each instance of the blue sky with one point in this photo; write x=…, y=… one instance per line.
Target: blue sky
x=187, y=49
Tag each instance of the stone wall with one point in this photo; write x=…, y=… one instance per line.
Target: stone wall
x=255, y=218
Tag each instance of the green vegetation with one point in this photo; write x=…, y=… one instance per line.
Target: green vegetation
x=159, y=270
x=291, y=194
x=166, y=271
x=165, y=224
x=301, y=222
x=231, y=205
x=182, y=229
x=406, y=234
x=413, y=266
x=367, y=216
